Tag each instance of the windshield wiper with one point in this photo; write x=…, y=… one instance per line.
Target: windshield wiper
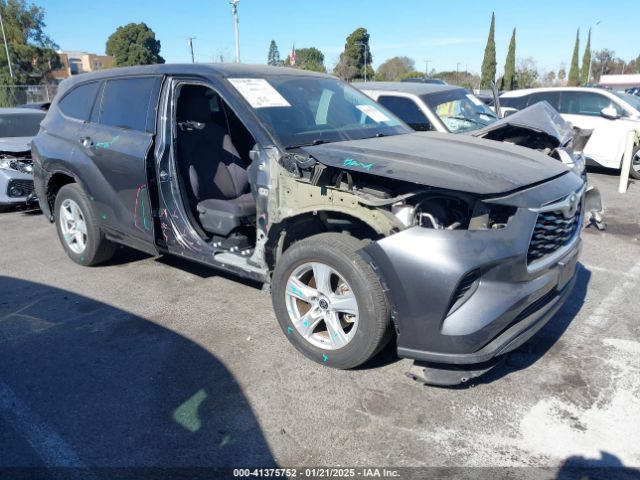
x=317, y=141
x=470, y=120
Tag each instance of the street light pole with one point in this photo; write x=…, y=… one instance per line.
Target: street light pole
x=234, y=12
x=6, y=46
x=591, y=53
x=458, y=72
x=426, y=68
x=364, y=47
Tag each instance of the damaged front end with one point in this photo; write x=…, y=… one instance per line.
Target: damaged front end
x=16, y=178
x=542, y=128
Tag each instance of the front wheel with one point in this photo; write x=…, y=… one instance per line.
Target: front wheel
x=329, y=301
x=78, y=228
x=634, y=170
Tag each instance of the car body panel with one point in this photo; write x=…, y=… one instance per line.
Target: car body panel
x=459, y=163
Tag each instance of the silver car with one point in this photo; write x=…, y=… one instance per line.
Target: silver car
x=18, y=126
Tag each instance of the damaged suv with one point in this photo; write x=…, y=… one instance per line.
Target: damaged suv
x=462, y=247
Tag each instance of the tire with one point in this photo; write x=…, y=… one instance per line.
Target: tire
x=339, y=339
x=635, y=157
x=93, y=248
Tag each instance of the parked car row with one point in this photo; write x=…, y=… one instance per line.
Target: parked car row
x=460, y=247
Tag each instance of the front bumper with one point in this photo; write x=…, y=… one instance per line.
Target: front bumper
x=13, y=181
x=509, y=300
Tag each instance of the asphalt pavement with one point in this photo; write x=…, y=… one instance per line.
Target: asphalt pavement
x=156, y=362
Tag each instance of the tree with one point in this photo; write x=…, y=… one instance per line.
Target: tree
x=549, y=79
x=586, y=61
x=489, y=63
x=274, y=55
x=574, y=71
x=356, y=50
x=638, y=64
x=562, y=73
x=527, y=73
x=509, y=78
x=32, y=52
x=134, y=44
x=395, y=69
x=308, y=59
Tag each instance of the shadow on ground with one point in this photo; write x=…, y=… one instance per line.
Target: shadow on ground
x=116, y=390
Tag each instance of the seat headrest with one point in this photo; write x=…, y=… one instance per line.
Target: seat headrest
x=194, y=106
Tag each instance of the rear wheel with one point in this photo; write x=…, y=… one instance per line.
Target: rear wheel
x=329, y=301
x=634, y=170
x=78, y=228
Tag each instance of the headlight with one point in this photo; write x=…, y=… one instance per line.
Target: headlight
x=579, y=164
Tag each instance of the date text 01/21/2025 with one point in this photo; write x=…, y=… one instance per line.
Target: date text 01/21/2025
x=317, y=472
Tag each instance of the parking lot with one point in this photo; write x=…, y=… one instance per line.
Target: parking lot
x=158, y=362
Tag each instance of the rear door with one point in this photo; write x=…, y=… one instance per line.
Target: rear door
x=118, y=140
x=583, y=110
x=408, y=111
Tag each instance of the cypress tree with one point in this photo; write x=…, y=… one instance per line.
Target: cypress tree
x=274, y=55
x=574, y=71
x=586, y=60
x=509, y=78
x=489, y=62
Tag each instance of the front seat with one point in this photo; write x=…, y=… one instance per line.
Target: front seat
x=215, y=176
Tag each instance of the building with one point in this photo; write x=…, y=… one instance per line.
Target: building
x=75, y=63
x=620, y=81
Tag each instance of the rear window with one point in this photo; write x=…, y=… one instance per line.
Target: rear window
x=20, y=125
x=408, y=111
x=125, y=103
x=79, y=101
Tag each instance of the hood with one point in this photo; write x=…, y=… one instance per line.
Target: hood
x=538, y=118
x=15, y=144
x=456, y=162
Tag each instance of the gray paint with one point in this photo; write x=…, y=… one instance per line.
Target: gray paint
x=459, y=163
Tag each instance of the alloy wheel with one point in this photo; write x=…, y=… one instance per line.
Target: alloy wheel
x=73, y=226
x=322, y=306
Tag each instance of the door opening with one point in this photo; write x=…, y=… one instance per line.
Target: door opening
x=212, y=157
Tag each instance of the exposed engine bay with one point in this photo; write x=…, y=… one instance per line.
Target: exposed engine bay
x=18, y=161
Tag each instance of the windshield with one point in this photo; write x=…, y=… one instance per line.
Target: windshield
x=20, y=125
x=459, y=110
x=630, y=99
x=301, y=111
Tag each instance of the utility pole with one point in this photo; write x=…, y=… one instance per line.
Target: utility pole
x=364, y=47
x=458, y=73
x=190, y=40
x=426, y=68
x=6, y=46
x=591, y=56
x=234, y=12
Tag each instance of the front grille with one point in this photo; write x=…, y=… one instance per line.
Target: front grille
x=552, y=232
x=19, y=188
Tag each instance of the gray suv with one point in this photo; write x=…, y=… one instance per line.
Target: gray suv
x=460, y=247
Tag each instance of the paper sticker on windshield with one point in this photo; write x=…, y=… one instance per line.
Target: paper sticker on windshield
x=373, y=113
x=259, y=93
x=474, y=99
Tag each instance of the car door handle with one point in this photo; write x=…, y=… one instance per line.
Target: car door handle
x=86, y=142
x=164, y=176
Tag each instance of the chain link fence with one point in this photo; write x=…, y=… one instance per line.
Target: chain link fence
x=14, y=95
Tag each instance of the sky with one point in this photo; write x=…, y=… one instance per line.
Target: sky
x=447, y=34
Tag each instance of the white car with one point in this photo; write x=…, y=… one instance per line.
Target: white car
x=610, y=114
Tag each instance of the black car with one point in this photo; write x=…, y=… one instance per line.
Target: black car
x=461, y=247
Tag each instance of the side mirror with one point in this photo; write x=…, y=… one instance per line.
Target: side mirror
x=609, y=113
